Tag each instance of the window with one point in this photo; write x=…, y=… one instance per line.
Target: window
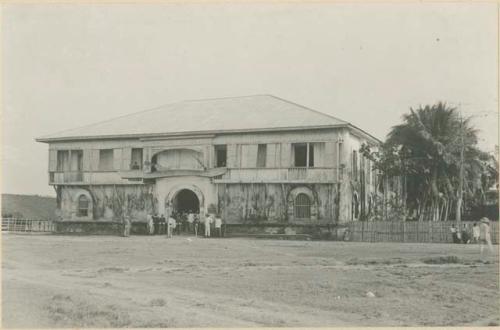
x=83, y=206
x=62, y=160
x=76, y=160
x=105, y=159
x=136, y=159
x=303, y=155
x=220, y=156
x=311, y=154
x=302, y=207
x=261, y=155
x=300, y=151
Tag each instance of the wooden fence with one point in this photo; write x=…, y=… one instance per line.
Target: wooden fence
x=27, y=225
x=416, y=232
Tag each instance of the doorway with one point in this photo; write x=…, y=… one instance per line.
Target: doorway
x=186, y=201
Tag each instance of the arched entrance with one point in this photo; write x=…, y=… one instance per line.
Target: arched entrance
x=186, y=201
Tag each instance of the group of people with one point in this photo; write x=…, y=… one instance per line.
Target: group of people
x=479, y=233
x=186, y=222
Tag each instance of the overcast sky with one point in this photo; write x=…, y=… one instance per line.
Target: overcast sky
x=65, y=66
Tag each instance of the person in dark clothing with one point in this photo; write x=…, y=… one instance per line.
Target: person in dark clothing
x=156, y=224
x=163, y=224
x=454, y=234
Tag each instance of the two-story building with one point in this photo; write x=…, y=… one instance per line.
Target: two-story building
x=251, y=159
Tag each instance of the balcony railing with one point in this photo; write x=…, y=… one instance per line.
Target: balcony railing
x=66, y=177
x=86, y=177
x=277, y=175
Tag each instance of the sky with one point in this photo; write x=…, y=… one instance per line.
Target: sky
x=66, y=65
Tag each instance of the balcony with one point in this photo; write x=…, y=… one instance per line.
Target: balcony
x=87, y=177
x=278, y=175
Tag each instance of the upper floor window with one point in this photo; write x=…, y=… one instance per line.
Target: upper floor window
x=63, y=160
x=136, y=159
x=69, y=160
x=261, y=155
x=303, y=154
x=105, y=159
x=83, y=206
x=302, y=206
x=221, y=156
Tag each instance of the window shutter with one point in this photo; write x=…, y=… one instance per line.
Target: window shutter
x=94, y=159
x=86, y=159
x=231, y=155
x=126, y=159
x=286, y=153
x=52, y=160
x=117, y=159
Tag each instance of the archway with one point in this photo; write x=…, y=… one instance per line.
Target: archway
x=186, y=201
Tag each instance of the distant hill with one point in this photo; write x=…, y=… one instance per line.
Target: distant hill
x=28, y=206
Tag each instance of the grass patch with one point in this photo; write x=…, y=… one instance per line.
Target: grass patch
x=65, y=312
x=442, y=260
x=355, y=261
x=158, y=302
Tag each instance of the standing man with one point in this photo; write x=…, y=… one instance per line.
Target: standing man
x=156, y=224
x=190, y=221
x=196, y=224
x=453, y=231
x=126, y=226
x=162, y=224
x=208, y=221
x=485, y=237
x=218, y=225
x=475, y=233
x=171, y=224
x=465, y=234
x=150, y=224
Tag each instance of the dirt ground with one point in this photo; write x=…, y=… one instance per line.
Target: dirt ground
x=79, y=281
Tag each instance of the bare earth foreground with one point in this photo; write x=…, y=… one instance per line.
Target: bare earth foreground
x=64, y=281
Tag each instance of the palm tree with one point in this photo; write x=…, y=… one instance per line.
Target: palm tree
x=430, y=141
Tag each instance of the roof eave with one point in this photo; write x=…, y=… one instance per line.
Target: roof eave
x=181, y=134
x=364, y=134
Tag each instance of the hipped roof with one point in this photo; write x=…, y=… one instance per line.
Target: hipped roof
x=233, y=114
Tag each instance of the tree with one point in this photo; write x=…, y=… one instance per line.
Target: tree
x=427, y=151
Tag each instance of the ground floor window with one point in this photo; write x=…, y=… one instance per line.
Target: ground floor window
x=302, y=207
x=83, y=206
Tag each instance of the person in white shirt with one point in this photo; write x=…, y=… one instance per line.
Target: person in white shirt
x=190, y=221
x=485, y=236
x=207, y=222
x=171, y=224
x=454, y=235
x=218, y=225
x=475, y=233
x=150, y=224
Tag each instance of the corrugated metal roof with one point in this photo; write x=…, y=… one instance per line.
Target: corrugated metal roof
x=246, y=113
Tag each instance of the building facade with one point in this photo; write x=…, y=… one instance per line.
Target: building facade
x=255, y=159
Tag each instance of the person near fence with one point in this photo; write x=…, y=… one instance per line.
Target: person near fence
x=485, y=237
x=475, y=233
x=465, y=234
x=454, y=234
x=346, y=235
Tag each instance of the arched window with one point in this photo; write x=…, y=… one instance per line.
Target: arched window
x=83, y=206
x=302, y=207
